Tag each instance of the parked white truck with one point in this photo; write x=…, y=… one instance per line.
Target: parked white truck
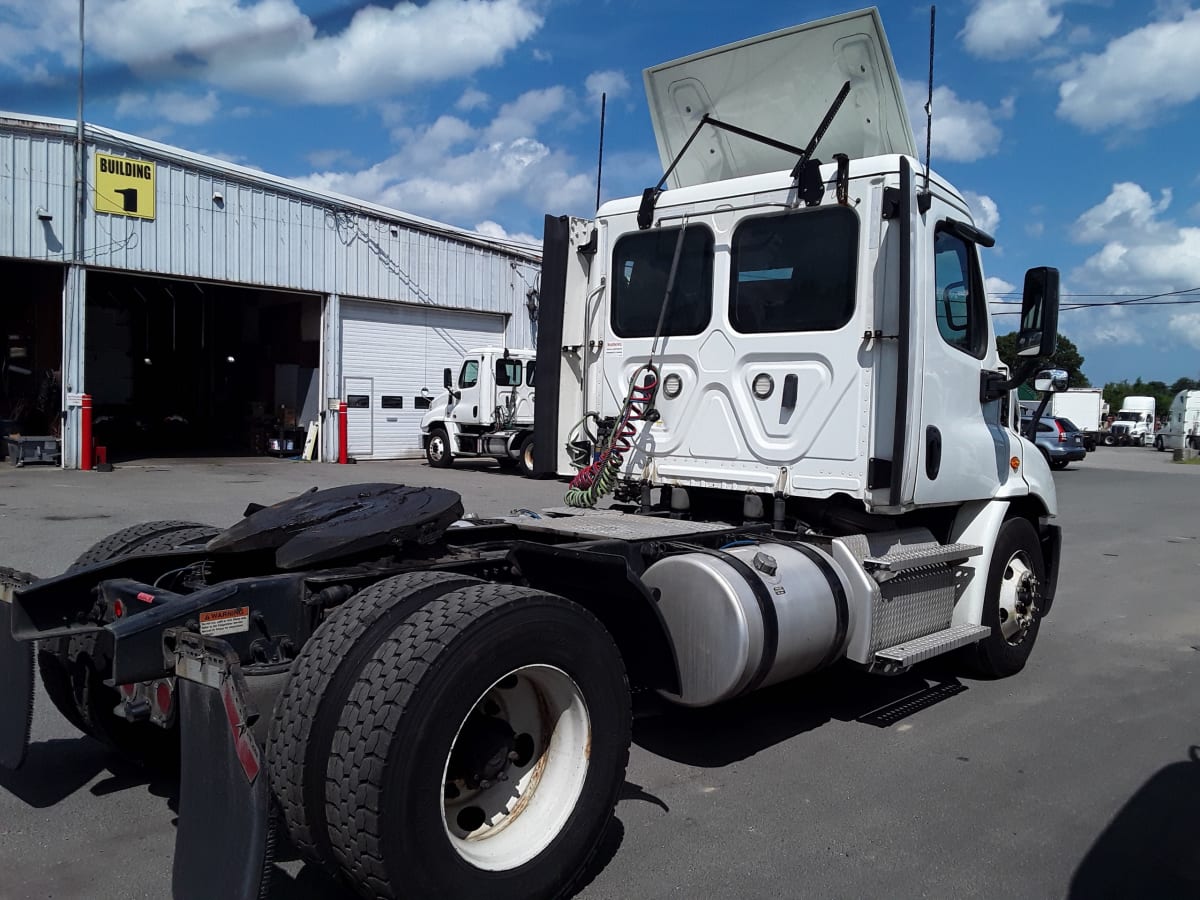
x=486, y=411
x=785, y=367
x=1134, y=424
x=1182, y=427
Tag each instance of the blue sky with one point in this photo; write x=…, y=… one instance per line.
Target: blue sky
x=1071, y=124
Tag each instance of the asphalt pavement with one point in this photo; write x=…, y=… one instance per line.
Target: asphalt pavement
x=1078, y=778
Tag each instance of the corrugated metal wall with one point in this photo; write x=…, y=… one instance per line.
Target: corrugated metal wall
x=36, y=170
x=255, y=234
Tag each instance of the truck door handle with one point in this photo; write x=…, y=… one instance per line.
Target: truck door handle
x=791, y=386
x=933, y=452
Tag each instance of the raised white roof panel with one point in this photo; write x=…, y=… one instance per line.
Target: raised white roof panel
x=780, y=85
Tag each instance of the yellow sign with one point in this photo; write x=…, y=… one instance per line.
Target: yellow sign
x=124, y=187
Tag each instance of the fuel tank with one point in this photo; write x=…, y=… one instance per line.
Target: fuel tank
x=750, y=615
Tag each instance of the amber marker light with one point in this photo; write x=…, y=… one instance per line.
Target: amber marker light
x=1015, y=463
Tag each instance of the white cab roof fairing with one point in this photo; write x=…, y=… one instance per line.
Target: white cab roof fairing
x=781, y=85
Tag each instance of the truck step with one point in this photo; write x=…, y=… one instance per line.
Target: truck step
x=902, y=656
x=917, y=556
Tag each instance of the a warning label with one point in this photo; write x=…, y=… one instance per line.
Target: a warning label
x=124, y=187
x=225, y=621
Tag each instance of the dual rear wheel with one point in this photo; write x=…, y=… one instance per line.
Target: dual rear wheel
x=445, y=737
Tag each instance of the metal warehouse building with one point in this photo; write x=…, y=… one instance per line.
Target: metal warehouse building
x=210, y=309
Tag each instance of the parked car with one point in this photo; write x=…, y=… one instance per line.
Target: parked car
x=1058, y=439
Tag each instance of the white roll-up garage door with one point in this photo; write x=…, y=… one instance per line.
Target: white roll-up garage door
x=390, y=352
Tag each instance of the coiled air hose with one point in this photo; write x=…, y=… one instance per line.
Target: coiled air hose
x=594, y=481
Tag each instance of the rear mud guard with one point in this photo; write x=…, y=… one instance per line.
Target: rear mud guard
x=224, y=844
x=16, y=677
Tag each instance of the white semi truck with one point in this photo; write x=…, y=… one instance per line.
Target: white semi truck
x=1134, y=424
x=1182, y=427
x=1084, y=407
x=787, y=371
x=484, y=411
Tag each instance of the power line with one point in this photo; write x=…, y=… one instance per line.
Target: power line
x=1131, y=299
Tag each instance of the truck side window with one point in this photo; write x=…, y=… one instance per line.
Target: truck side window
x=530, y=368
x=641, y=265
x=958, y=294
x=508, y=373
x=469, y=376
x=794, y=272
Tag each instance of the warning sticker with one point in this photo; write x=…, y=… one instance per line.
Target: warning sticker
x=225, y=621
x=614, y=347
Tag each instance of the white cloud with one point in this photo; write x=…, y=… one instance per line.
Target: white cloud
x=999, y=294
x=1003, y=29
x=984, y=211
x=1186, y=327
x=1136, y=78
x=1141, y=253
x=963, y=130
x=174, y=106
x=472, y=98
x=542, y=55
x=324, y=159
x=1128, y=211
x=496, y=230
x=271, y=48
x=1035, y=229
x=451, y=171
x=609, y=82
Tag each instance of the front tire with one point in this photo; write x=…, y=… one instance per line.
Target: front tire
x=437, y=450
x=482, y=750
x=1010, y=604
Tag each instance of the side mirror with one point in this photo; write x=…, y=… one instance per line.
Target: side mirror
x=1038, y=336
x=1051, y=380
x=447, y=379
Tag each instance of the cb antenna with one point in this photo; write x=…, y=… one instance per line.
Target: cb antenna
x=600, y=161
x=929, y=108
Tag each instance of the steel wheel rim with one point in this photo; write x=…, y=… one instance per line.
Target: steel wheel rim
x=1018, y=594
x=437, y=448
x=499, y=820
x=527, y=455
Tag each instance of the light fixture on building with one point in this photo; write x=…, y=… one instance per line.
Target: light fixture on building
x=146, y=360
x=218, y=199
x=230, y=359
x=44, y=214
x=394, y=231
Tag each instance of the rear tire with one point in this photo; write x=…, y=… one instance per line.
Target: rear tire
x=437, y=450
x=1109, y=440
x=306, y=713
x=66, y=665
x=525, y=456
x=1014, y=581
x=1059, y=464
x=486, y=682
x=1158, y=444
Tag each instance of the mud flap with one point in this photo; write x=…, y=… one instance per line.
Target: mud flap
x=224, y=844
x=16, y=678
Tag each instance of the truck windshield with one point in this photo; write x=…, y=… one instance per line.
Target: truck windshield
x=1129, y=417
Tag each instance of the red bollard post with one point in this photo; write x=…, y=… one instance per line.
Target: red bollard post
x=85, y=433
x=343, y=434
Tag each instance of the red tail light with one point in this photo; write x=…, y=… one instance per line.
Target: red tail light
x=1062, y=434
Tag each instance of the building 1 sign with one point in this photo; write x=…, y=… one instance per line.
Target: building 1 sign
x=124, y=187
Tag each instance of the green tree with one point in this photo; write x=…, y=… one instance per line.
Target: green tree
x=1067, y=357
x=1184, y=384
